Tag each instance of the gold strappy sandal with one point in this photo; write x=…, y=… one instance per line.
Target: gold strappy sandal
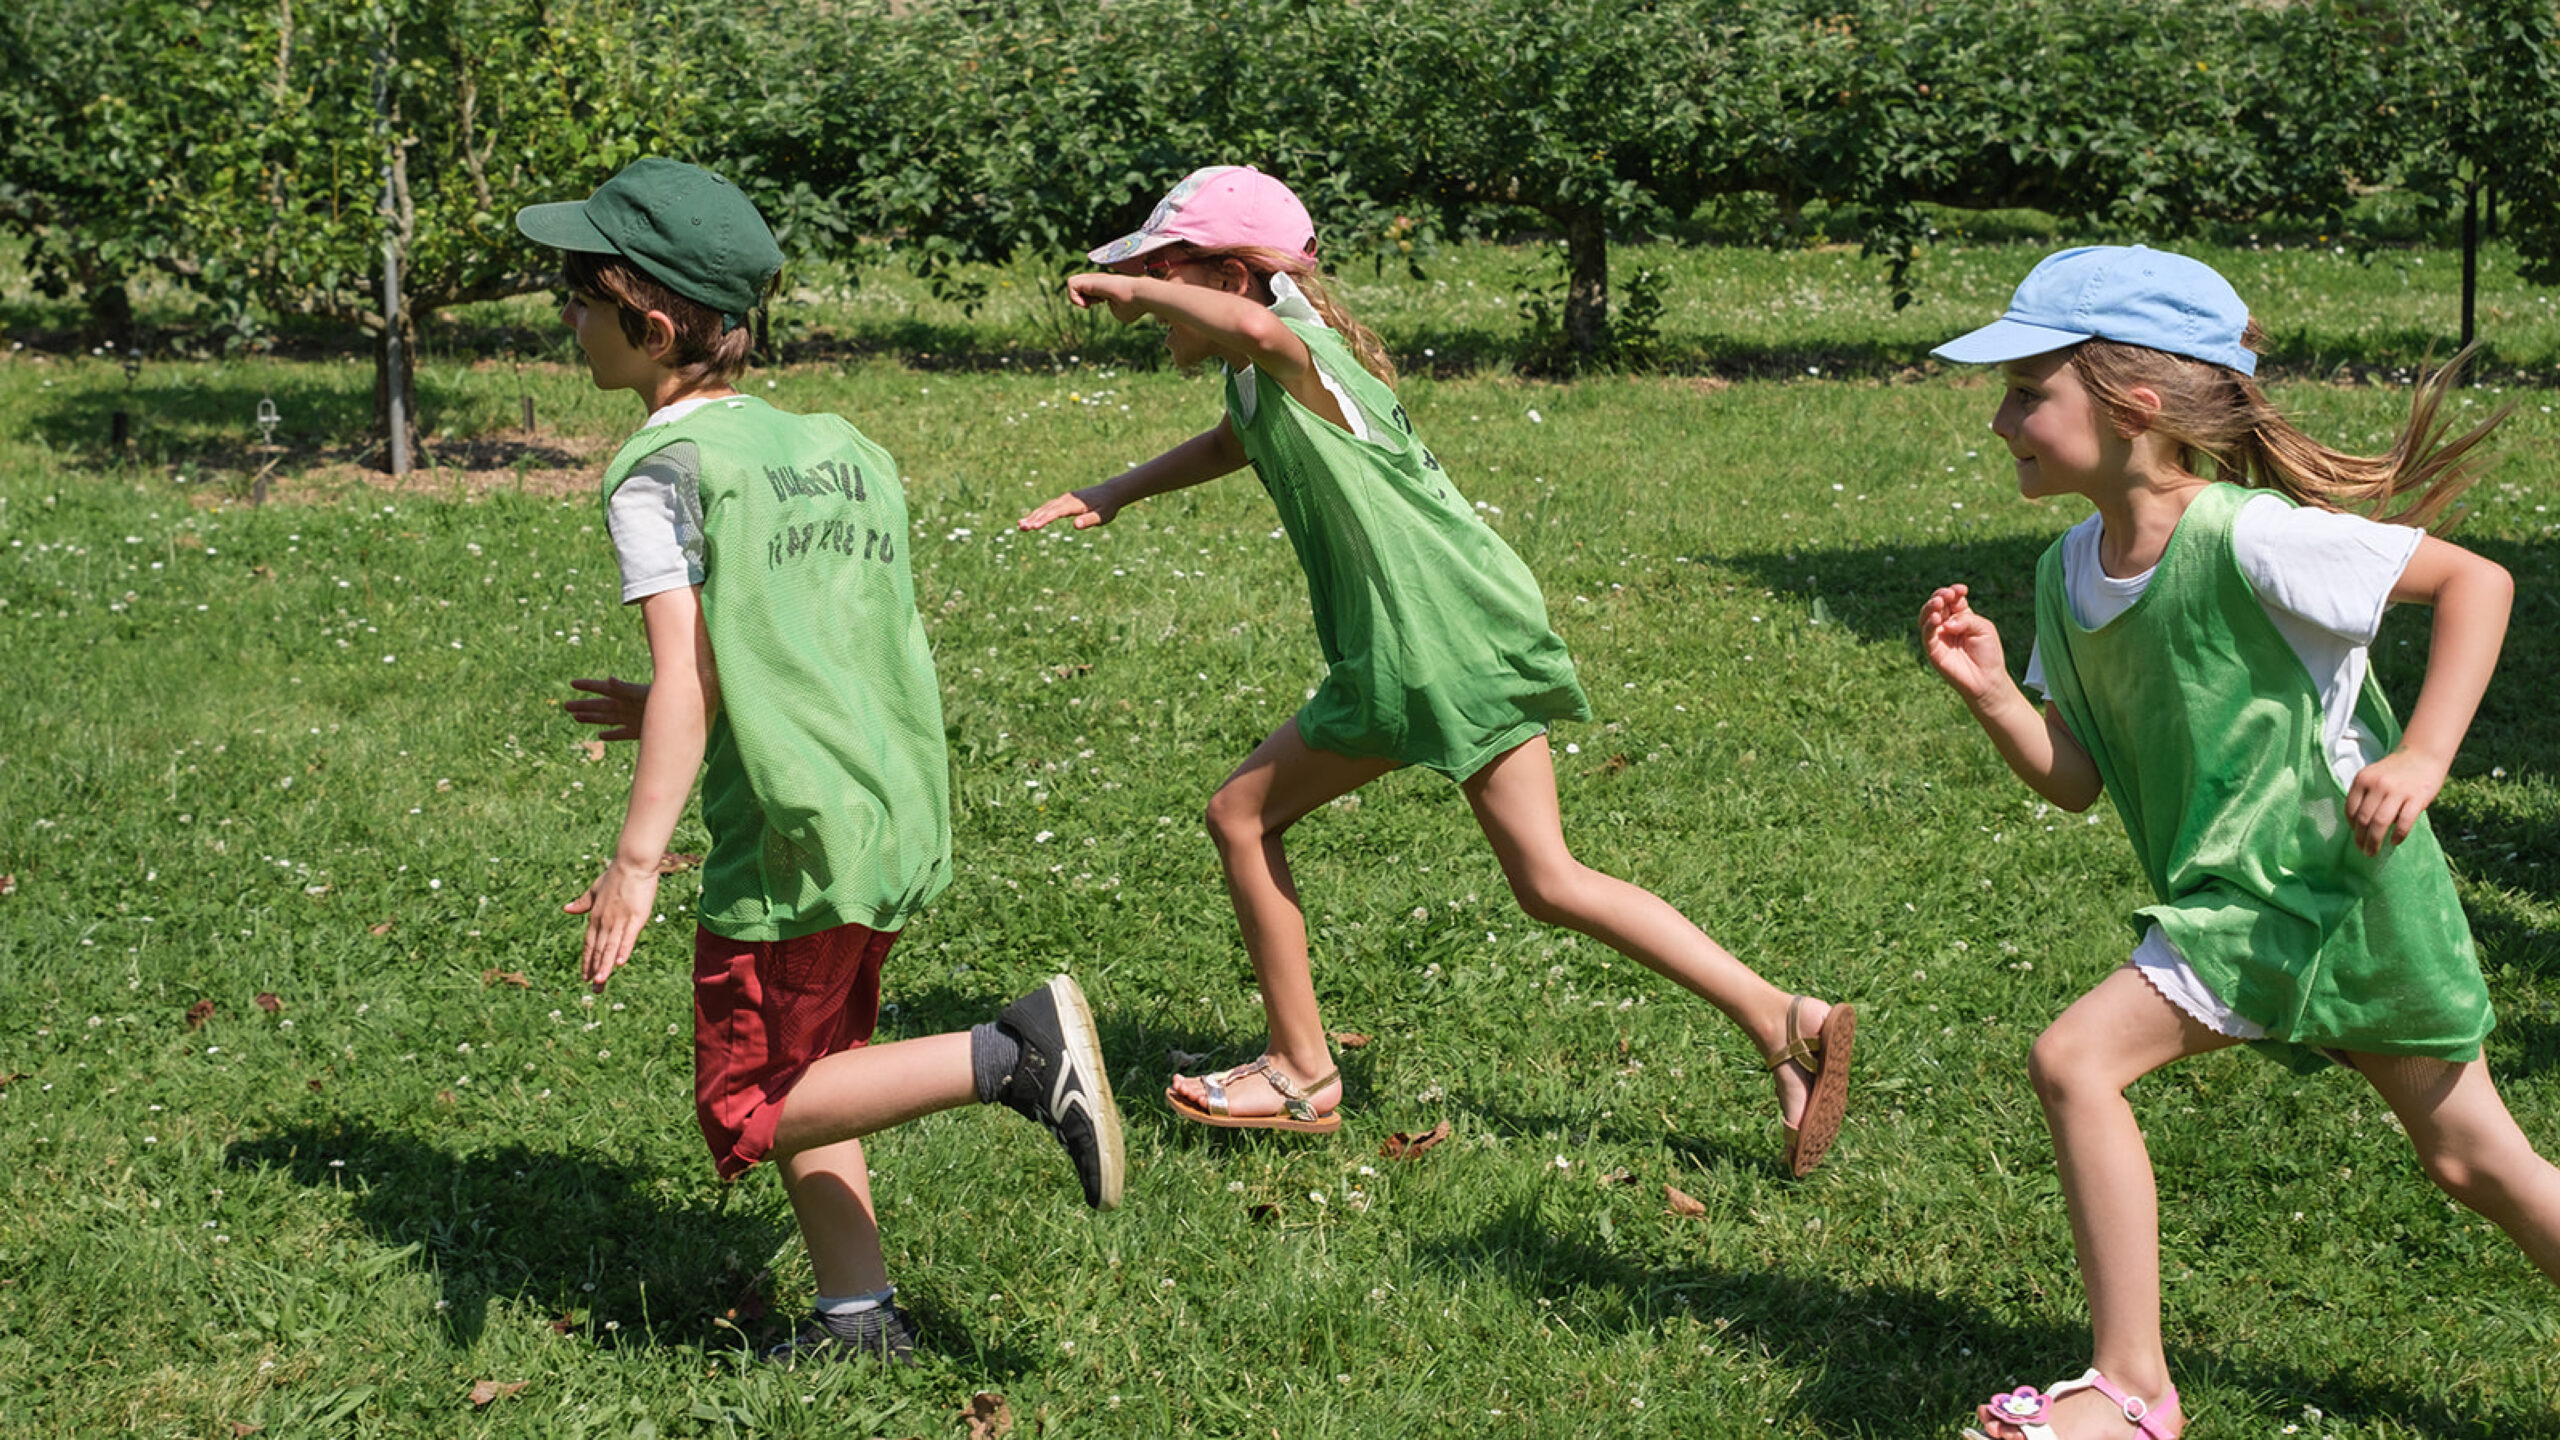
x=1298, y=1108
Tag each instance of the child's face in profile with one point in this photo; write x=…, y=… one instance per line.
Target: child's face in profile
x=1179, y=266
x=2055, y=429
x=613, y=362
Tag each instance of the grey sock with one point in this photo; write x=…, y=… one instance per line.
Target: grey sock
x=993, y=1054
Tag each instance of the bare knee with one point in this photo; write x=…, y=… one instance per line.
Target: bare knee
x=2060, y=1068
x=1234, y=821
x=1551, y=894
x=2478, y=1175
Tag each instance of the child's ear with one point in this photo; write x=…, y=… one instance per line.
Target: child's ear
x=2142, y=407
x=658, y=336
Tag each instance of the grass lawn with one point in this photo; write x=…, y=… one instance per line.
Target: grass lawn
x=307, y=1125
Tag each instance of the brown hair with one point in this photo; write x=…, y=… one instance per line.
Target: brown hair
x=2213, y=412
x=1303, y=271
x=706, y=348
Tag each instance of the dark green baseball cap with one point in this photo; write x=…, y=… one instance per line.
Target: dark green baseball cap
x=687, y=228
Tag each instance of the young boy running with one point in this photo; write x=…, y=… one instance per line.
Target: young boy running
x=767, y=554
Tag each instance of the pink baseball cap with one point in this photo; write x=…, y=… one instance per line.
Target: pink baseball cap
x=1219, y=207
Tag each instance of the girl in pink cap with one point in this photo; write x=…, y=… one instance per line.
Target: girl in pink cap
x=2200, y=645
x=1435, y=636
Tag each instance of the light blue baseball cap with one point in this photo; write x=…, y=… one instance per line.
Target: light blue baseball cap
x=2130, y=294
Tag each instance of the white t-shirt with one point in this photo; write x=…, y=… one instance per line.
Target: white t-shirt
x=655, y=516
x=2324, y=579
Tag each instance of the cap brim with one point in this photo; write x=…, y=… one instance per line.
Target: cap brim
x=2002, y=341
x=1130, y=246
x=563, y=225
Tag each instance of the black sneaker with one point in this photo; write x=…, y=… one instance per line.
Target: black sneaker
x=881, y=1334
x=1059, y=1081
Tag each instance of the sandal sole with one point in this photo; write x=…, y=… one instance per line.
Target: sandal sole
x=1828, y=1105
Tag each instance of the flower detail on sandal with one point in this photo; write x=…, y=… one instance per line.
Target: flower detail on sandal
x=2023, y=1406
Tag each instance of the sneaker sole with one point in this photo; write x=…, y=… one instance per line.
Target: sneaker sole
x=1084, y=1051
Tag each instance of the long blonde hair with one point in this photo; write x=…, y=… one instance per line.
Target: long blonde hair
x=2216, y=413
x=1308, y=276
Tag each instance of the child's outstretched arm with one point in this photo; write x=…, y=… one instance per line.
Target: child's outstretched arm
x=1964, y=648
x=2471, y=596
x=674, y=721
x=1203, y=457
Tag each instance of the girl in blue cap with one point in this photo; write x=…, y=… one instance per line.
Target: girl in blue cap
x=2200, y=647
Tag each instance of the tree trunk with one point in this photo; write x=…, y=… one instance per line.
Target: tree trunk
x=408, y=371
x=1586, y=296
x=111, y=313
x=2470, y=257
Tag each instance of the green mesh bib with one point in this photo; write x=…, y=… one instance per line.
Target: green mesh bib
x=1435, y=634
x=2207, y=731
x=825, y=785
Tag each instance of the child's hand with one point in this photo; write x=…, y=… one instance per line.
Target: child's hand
x=616, y=906
x=1117, y=291
x=1089, y=507
x=1962, y=646
x=617, y=708
x=2389, y=795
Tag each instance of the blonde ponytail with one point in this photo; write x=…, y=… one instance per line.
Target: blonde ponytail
x=2215, y=413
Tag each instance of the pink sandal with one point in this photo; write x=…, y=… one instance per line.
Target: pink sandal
x=2028, y=1409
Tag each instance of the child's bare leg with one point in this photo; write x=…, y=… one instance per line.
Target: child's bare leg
x=2081, y=1066
x=2472, y=1148
x=1276, y=786
x=816, y=1145
x=1515, y=802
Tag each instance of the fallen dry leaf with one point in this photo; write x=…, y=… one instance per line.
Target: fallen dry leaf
x=13, y=1077
x=987, y=1416
x=243, y=1427
x=487, y=1390
x=1619, y=1177
x=268, y=1002
x=1403, y=1146
x=315, y=1085
x=494, y=976
x=677, y=862
x=382, y=929
x=1350, y=1039
x=564, y=1325
x=264, y=572
x=1069, y=672
x=444, y=1097
x=594, y=749
x=8, y=884
x=1682, y=1204
x=198, y=1013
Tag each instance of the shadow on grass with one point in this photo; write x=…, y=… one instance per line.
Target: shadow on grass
x=1885, y=1359
x=584, y=1239
x=210, y=429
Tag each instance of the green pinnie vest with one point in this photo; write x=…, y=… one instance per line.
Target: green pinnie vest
x=2206, y=729
x=1434, y=633
x=825, y=785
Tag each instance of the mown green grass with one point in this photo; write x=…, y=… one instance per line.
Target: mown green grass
x=314, y=750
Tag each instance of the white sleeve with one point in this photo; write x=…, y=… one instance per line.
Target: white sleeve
x=2033, y=680
x=655, y=518
x=2327, y=570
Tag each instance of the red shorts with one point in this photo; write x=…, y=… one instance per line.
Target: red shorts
x=763, y=1012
